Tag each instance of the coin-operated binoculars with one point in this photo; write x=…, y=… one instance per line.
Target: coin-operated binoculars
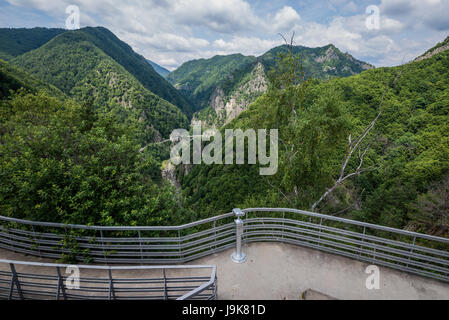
x=238, y=256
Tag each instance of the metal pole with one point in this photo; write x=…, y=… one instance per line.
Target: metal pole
x=179, y=246
x=140, y=245
x=411, y=250
x=60, y=285
x=215, y=236
x=15, y=281
x=165, y=285
x=319, y=233
x=363, y=240
x=36, y=242
x=215, y=287
x=102, y=246
x=238, y=256
x=111, y=294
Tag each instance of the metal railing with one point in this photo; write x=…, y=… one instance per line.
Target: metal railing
x=30, y=281
x=404, y=250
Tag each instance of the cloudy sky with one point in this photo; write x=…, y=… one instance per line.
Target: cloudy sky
x=171, y=32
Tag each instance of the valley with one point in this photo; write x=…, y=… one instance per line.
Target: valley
x=98, y=144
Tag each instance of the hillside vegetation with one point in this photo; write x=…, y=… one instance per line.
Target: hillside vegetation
x=14, y=42
x=233, y=82
x=83, y=134
x=71, y=137
x=197, y=79
x=65, y=162
x=13, y=78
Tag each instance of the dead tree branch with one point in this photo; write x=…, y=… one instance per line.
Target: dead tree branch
x=354, y=145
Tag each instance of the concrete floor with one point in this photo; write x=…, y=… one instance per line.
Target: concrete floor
x=282, y=271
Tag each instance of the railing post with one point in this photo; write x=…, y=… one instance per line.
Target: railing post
x=111, y=294
x=238, y=256
x=102, y=246
x=215, y=235
x=14, y=281
x=283, y=225
x=215, y=288
x=363, y=240
x=411, y=250
x=165, y=285
x=140, y=246
x=35, y=240
x=179, y=246
x=319, y=232
x=60, y=285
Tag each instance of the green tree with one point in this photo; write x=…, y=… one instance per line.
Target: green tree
x=62, y=162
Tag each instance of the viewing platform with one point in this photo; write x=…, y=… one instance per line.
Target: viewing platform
x=257, y=253
x=283, y=271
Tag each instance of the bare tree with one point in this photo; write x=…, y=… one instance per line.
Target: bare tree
x=353, y=147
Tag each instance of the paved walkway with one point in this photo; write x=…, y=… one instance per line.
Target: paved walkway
x=282, y=271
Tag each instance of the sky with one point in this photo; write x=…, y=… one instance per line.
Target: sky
x=170, y=32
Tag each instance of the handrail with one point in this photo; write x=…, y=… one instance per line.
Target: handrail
x=116, y=228
x=31, y=284
x=219, y=217
x=401, y=249
x=96, y=267
x=348, y=221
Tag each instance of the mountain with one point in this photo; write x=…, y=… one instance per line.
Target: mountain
x=161, y=70
x=407, y=157
x=71, y=136
x=137, y=65
x=197, y=79
x=14, y=42
x=440, y=47
x=319, y=63
x=74, y=63
x=222, y=86
x=19, y=41
x=64, y=161
x=13, y=78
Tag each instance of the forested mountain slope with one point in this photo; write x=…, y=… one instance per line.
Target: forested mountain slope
x=14, y=42
x=159, y=69
x=13, y=78
x=223, y=86
x=82, y=161
x=73, y=63
x=319, y=63
x=66, y=162
x=406, y=181
x=197, y=79
x=137, y=65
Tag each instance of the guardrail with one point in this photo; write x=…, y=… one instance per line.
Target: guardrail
x=404, y=250
x=28, y=280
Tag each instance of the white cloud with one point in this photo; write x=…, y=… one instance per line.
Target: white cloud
x=418, y=14
x=351, y=7
x=247, y=45
x=285, y=19
x=220, y=16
